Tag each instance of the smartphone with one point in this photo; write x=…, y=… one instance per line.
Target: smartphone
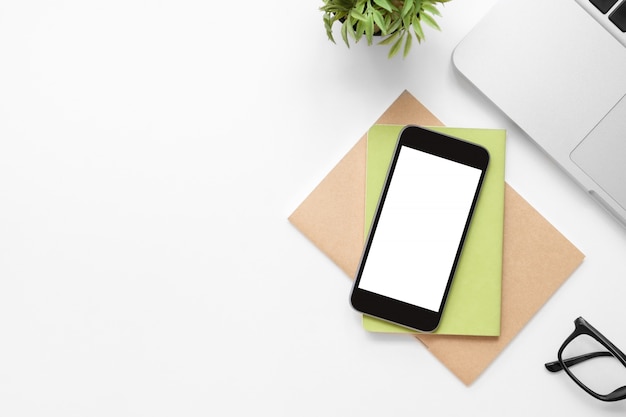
x=417, y=233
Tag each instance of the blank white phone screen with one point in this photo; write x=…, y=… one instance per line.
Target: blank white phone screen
x=420, y=228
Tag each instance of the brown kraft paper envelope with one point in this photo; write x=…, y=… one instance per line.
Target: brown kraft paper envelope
x=537, y=258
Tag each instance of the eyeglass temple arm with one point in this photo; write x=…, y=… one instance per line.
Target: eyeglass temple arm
x=556, y=365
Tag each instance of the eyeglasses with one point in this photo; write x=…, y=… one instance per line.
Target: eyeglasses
x=604, y=377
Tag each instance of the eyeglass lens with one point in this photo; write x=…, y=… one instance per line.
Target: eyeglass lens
x=595, y=366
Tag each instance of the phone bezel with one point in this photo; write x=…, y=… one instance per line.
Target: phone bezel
x=397, y=311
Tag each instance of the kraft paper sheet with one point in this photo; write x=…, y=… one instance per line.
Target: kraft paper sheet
x=537, y=258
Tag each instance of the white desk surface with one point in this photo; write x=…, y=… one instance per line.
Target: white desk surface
x=150, y=154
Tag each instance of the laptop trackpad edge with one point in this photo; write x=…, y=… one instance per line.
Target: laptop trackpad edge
x=602, y=153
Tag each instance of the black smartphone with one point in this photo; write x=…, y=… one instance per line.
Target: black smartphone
x=417, y=234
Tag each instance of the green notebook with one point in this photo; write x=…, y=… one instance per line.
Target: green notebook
x=473, y=306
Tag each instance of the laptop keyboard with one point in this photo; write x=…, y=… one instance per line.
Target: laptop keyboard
x=617, y=11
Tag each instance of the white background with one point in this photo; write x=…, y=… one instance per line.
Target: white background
x=150, y=154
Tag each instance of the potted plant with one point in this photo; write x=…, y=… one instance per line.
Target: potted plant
x=395, y=21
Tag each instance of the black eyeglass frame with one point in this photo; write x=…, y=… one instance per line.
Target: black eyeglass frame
x=583, y=327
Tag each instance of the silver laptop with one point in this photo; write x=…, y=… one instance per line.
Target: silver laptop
x=557, y=68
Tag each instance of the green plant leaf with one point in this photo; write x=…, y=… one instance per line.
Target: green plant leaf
x=395, y=26
x=417, y=28
x=395, y=47
x=380, y=21
x=358, y=15
x=344, y=32
x=407, y=44
x=430, y=21
x=369, y=29
x=345, y=4
x=360, y=5
x=357, y=33
x=406, y=8
x=418, y=6
x=385, y=4
x=406, y=20
x=389, y=39
x=328, y=24
x=431, y=9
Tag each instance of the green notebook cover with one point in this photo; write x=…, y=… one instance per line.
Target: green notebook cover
x=473, y=306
